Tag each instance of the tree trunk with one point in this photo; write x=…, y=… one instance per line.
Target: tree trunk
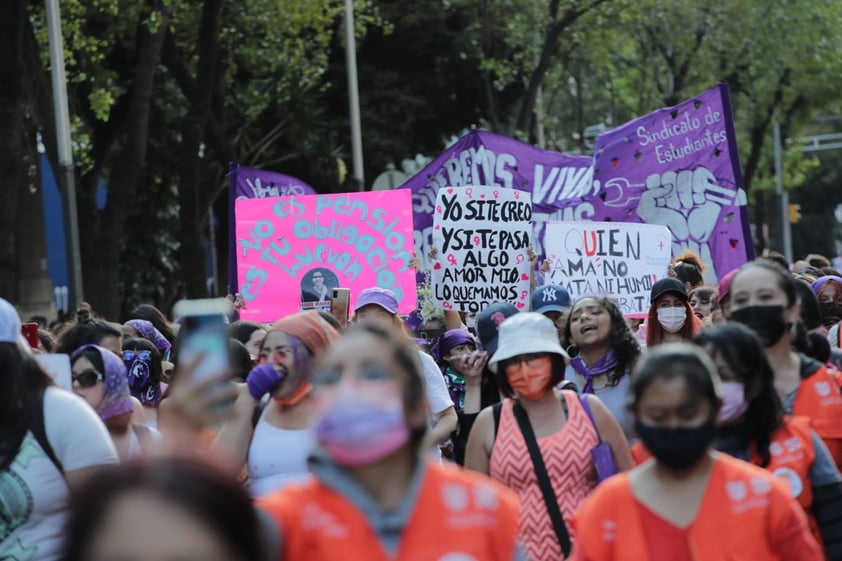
x=11, y=173
x=194, y=206
x=102, y=255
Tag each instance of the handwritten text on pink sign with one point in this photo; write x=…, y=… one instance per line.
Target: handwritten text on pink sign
x=355, y=240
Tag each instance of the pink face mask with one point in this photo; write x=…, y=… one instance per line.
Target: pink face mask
x=733, y=401
x=357, y=431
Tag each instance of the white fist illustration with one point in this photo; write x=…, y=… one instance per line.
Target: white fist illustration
x=687, y=202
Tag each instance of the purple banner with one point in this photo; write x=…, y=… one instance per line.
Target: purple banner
x=679, y=167
x=250, y=183
x=559, y=183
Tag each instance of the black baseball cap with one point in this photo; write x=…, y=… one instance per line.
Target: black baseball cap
x=666, y=285
x=488, y=323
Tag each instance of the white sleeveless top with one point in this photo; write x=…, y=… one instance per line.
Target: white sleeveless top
x=277, y=457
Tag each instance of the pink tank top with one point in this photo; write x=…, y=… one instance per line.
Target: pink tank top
x=567, y=456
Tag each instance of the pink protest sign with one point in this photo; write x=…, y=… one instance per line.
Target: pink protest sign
x=293, y=251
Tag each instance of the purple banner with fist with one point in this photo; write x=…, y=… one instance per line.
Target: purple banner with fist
x=677, y=167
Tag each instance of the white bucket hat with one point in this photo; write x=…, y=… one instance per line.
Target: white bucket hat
x=527, y=333
x=9, y=323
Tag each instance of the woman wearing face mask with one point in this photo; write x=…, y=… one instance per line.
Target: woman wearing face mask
x=671, y=319
x=100, y=378
x=604, y=351
x=276, y=448
x=371, y=495
x=764, y=298
x=463, y=366
x=754, y=428
x=829, y=292
x=689, y=502
x=143, y=364
x=145, y=329
x=530, y=363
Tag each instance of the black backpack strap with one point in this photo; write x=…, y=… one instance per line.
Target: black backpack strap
x=543, y=479
x=34, y=413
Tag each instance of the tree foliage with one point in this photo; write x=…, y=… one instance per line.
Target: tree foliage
x=164, y=93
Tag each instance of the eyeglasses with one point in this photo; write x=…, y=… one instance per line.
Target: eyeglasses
x=87, y=378
x=317, y=277
x=142, y=355
x=529, y=359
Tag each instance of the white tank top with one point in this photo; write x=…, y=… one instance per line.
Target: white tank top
x=277, y=457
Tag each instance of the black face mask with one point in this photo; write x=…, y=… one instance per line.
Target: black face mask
x=831, y=313
x=676, y=448
x=766, y=321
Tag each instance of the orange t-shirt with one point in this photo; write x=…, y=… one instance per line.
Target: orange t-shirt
x=746, y=513
x=666, y=541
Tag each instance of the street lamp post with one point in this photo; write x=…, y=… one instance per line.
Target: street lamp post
x=65, y=153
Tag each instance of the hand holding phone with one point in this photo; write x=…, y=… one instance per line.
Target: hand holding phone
x=203, y=338
x=30, y=333
x=340, y=303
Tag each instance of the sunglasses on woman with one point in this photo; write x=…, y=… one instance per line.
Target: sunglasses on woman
x=142, y=355
x=87, y=378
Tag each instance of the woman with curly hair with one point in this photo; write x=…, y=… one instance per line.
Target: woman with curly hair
x=688, y=268
x=604, y=351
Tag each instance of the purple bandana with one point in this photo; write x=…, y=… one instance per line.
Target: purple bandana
x=820, y=282
x=148, y=392
x=151, y=334
x=450, y=339
x=603, y=365
x=116, y=399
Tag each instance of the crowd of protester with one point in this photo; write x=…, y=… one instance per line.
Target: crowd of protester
x=709, y=429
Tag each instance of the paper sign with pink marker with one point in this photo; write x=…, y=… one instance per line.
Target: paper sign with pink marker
x=618, y=260
x=482, y=235
x=293, y=251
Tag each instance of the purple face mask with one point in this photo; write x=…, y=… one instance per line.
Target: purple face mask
x=139, y=370
x=358, y=432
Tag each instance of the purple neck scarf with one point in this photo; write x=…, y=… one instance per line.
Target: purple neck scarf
x=151, y=334
x=116, y=399
x=603, y=365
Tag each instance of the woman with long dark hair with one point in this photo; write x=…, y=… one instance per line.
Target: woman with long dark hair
x=50, y=442
x=753, y=427
x=689, y=501
x=604, y=351
x=764, y=298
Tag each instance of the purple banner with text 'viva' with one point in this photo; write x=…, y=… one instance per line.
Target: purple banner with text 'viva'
x=558, y=183
x=679, y=167
x=251, y=183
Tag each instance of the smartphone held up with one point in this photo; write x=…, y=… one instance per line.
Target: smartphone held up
x=203, y=338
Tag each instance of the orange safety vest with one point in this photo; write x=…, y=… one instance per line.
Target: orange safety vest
x=744, y=514
x=820, y=398
x=458, y=515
